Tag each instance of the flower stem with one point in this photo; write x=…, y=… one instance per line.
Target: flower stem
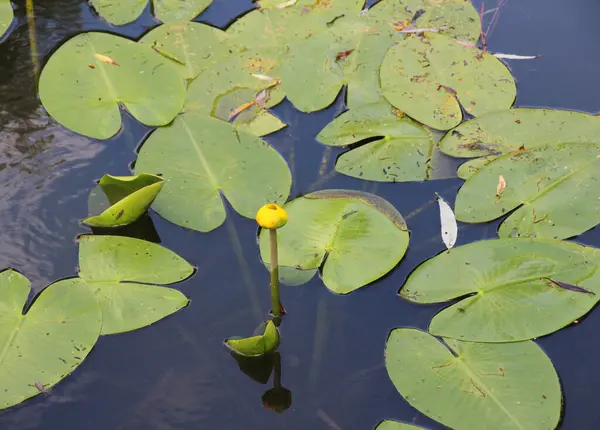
x=275, y=303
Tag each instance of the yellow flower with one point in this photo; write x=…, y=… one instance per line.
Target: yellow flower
x=271, y=216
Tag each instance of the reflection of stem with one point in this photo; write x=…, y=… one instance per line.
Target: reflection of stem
x=275, y=303
x=324, y=161
x=32, y=39
x=277, y=370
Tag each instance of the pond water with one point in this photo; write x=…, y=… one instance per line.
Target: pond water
x=176, y=374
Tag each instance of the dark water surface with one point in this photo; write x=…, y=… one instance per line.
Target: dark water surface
x=176, y=374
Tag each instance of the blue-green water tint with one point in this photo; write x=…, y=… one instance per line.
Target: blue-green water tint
x=176, y=374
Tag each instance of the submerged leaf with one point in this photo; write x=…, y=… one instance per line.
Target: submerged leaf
x=202, y=160
x=87, y=100
x=356, y=237
x=502, y=284
x=46, y=344
x=125, y=11
x=429, y=78
x=123, y=273
x=256, y=346
x=129, y=197
x=468, y=385
x=448, y=223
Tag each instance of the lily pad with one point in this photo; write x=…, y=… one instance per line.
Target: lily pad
x=394, y=425
x=256, y=346
x=125, y=11
x=202, y=159
x=193, y=47
x=123, y=273
x=508, y=288
x=355, y=237
x=129, y=198
x=401, y=151
x=430, y=77
x=506, y=131
x=468, y=385
x=555, y=191
x=92, y=74
x=46, y=344
x=6, y=16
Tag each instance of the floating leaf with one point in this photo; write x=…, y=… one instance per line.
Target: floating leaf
x=506, y=297
x=256, y=346
x=86, y=100
x=6, y=16
x=508, y=130
x=555, y=189
x=129, y=197
x=467, y=385
x=427, y=77
x=448, y=223
x=46, y=344
x=400, y=154
x=202, y=159
x=394, y=425
x=357, y=237
x=125, y=11
x=193, y=47
x=122, y=271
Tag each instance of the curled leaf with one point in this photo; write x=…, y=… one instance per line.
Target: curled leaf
x=256, y=346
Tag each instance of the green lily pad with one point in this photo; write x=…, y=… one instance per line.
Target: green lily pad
x=256, y=346
x=401, y=152
x=357, y=237
x=6, y=16
x=202, y=159
x=125, y=11
x=46, y=344
x=394, y=425
x=497, y=133
x=129, y=198
x=468, y=385
x=508, y=288
x=555, y=191
x=123, y=273
x=427, y=77
x=83, y=92
x=193, y=47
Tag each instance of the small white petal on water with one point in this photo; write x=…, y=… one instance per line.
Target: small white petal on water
x=515, y=57
x=448, y=222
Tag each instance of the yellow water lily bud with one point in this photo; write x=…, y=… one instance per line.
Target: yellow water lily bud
x=271, y=216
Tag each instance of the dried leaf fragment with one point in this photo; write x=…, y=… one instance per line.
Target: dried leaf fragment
x=286, y=4
x=106, y=59
x=264, y=77
x=501, y=186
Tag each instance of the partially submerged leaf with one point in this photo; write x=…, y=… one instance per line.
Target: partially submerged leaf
x=555, y=191
x=123, y=272
x=448, y=223
x=394, y=425
x=46, y=344
x=256, y=346
x=468, y=385
x=6, y=16
x=129, y=197
x=202, y=160
x=502, y=284
x=87, y=100
x=125, y=11
x=430, y=77
x=355, y=237
x=400, y=154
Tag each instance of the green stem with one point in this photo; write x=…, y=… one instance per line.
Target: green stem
x=275, y=303
x=29, y=10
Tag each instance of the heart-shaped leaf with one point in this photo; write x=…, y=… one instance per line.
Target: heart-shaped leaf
x=430, y=77
x=129, y=198
x=193, y=47
x=555, y=188
x=6, y=16
x=125, y=11
x=86, y=80
x=46, y=344
x=508, y=288
x=202, y=159
x=122, y=271
x=401, y=153
x=468, y=385
x=357, y=237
